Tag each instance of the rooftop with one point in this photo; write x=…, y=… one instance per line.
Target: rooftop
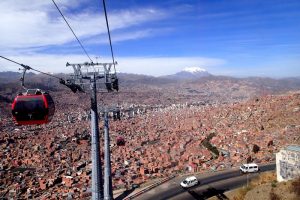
x=293, y=148
x=250, y=165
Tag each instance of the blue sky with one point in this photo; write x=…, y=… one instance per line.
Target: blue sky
x=226, y=37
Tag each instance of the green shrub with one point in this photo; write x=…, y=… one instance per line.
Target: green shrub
x=209, y=146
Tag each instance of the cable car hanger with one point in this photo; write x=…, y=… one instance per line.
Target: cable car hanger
x=22, y=79
x=28, y=91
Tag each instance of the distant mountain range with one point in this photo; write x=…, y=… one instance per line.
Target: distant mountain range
x=189, y=85
x=189, y=73
x=10, y=76
x=192, y=77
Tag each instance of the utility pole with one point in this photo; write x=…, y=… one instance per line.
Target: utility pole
x=76, y=83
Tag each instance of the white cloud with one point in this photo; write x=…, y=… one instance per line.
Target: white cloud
x=125, y=36
x=155, y=66
x=36, y=23
x=33, y=25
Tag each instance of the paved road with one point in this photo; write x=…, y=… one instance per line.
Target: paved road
x=212, y=184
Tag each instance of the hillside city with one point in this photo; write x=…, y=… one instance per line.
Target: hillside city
x=163, y=100
x=53, y=161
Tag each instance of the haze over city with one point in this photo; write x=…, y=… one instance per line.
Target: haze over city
x=234, y=38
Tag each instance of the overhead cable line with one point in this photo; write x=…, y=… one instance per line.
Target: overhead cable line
x=108, y=31
x=30, y=68
x=72, y=30
x=74, y=87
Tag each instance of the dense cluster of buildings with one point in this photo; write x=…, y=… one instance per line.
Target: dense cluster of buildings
x=53, y=161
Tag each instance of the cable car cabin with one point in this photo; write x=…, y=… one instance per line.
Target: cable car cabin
x=120, y=141
x=33, y=108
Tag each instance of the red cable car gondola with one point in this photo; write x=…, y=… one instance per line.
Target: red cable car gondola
x=33, y=107
x=120, y=141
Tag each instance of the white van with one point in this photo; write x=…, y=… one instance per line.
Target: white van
x=248, y=168
x=189, y=182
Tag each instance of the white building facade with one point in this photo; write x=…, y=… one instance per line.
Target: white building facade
x=288, y=163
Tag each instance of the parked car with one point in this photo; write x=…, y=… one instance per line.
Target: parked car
x=189, y=182
x=249, y=168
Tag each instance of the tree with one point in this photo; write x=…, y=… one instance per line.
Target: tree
x=256, y=148
x=249, y=159
x=270, y=143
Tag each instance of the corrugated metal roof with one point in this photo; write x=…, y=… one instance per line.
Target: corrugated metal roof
x=293, y=148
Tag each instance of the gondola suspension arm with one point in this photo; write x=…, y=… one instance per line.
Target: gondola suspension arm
x=22, y=79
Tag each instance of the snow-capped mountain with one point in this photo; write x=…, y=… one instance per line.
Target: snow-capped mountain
x=194, y=69
x=190, y=73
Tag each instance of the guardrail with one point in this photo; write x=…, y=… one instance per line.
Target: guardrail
x=150, y=187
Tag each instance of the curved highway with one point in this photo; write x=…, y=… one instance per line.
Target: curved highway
x=211, y=184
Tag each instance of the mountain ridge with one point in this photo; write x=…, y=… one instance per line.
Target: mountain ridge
x=189, y=73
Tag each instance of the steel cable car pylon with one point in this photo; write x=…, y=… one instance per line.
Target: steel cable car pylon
x=108, y=194
x=97, y=183
x=111, y=84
